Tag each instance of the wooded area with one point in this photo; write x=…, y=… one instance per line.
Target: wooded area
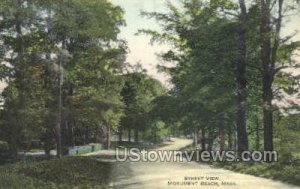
x=229, y=70
x=69, y=83
x=234, y=84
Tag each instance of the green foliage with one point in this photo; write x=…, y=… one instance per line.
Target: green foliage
x=156, y=132
x=40, y=41
x=3, y=146
x=138, y=93
x=287, y=128
x=205, y=54
x=280, y=171
x=5, y=153
x=56, y=174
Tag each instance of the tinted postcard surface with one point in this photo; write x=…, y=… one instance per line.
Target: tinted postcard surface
x=150, y=94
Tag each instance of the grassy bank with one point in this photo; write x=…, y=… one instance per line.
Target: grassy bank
x=286, y=172
x=140, y=145
x=76, y=172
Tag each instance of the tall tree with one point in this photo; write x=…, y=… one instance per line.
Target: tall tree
x=241, y=81
x=138, y=94
x=41, y=40
x=203, y=77
x=268, y=69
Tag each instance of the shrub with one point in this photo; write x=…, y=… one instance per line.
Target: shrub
x=5, y=154
x=56, y=174
x=3, y=146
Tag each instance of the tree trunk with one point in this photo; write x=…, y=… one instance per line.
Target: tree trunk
x=241, y=82
x=108, y=137
x=120, y=135
x=210, y=144
x=87, y=136
x=47, y=143
x=196, y=137
x=267, y=78
x=268, y=116
x=155, y=137
x=129, y=135
x=210, y=140
x=268, y=57
x=257, y=134
x=136, y=136
x=203, y=145
x=58, y=140
x=19, y=76
x=72, y=135
x=222, y=137
x=59, y=120
x=230, y=138
x=65, y=138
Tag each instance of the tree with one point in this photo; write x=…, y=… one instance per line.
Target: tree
x=203, y=77
x=241, y=81
x=23, y=41
x=271, y=44
x=41, y=40
x=138, y=93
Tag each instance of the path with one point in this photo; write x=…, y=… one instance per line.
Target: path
x=161, y=175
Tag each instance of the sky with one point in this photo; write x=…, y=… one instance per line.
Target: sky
x=140, y=49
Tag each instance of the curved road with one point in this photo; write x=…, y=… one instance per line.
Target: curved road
x=172, y=175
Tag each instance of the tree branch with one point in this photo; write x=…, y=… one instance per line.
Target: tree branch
x=230, y=13
x=276, y=70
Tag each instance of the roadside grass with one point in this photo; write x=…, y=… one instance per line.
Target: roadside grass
x=288, y=172
x=285, y=172
x=122, y=145
x=74, y=172
x=126, y=144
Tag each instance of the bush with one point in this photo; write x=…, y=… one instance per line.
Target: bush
x=282, y=171
x=5, y=154
x=78, y=150
x=96, y=147
x=56, y=174
x=3, y=146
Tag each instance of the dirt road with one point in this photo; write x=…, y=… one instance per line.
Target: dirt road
x=182, y=175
